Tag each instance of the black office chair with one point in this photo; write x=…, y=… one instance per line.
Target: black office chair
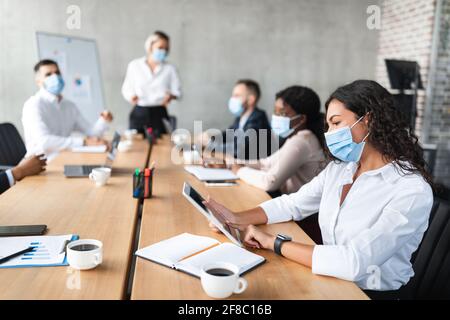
x=432, y=262
x=12, y=147
x=429, y=154
x=421, y=259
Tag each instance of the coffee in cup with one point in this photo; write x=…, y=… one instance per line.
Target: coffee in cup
x=221, y=279
x=84, y=254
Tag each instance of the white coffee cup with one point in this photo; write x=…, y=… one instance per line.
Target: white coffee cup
x=100, y=176
x=125, y=145
x=192, y=157
x=221, y=279
x=84, y=254
x=180, y=139
x=130, y=133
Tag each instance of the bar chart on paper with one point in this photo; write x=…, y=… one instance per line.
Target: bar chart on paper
x=47, y=250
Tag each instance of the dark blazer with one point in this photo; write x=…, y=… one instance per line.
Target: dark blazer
x=4, y=182
x=257, y=121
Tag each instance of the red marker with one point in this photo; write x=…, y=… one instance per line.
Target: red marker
x=147, y=175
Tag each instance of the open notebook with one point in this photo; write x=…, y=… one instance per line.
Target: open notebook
x=189, y=253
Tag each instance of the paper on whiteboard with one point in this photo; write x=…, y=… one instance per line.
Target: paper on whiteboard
x=81, y=89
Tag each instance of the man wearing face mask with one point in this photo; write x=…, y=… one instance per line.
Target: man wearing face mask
x=49, y=119
x=151, y=84
x=243, y=105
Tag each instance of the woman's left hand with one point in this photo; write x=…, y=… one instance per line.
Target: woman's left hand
x=254, y=237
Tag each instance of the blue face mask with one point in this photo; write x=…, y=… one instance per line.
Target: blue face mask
x=236, y=106
x=54, y=84
x=159, y=55
x=341, y=145
x=281, y=126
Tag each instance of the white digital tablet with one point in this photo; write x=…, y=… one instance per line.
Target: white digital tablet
x=197, y=201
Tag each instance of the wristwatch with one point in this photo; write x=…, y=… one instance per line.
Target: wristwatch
x=279, y=240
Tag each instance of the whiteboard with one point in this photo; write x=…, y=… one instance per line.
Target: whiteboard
x=80, y=67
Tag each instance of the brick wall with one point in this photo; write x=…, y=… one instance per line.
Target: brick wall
x=439, y=131
x=407, y=33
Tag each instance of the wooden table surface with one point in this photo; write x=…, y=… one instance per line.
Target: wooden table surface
x=168, y=214
x=76, y=206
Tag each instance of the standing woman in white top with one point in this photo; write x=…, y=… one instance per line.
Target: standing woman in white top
x=298, y=119
x=151, y=84
x=374, y=199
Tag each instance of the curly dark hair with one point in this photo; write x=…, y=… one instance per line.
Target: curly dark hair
x=390, y=134
x=305, y=101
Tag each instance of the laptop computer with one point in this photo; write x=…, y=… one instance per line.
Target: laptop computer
x=78, y=171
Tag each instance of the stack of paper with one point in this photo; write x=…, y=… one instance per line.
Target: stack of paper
x=90, y=149
x=211, y=174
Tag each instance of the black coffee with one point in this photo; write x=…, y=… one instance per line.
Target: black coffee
x=84, y=247
x=220, y=272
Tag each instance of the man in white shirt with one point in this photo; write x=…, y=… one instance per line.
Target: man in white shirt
x=49, y=119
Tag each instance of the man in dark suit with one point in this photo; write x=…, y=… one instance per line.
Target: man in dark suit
x=250, y=129
x=27, y=167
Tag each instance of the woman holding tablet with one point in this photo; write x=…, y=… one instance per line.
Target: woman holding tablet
x=297, y=118
x=151, y=84
x=373, y=200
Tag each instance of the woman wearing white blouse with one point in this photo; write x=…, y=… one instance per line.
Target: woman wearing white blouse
x=151, y=84
x=373, y=201
x=298, y=119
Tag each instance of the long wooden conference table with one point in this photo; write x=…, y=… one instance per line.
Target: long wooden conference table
x=111, y=215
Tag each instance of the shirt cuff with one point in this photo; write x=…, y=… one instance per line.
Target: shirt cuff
x=330, y=260
x=273, y=211
x=10, y=177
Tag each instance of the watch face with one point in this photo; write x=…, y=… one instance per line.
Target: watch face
x=284, y=237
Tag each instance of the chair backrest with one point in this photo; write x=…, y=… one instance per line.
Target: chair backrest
x=429, y=154
x=12, y=147
x=432, y=263
x=434, y=209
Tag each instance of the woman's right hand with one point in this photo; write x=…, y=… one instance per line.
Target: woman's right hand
x=231, y=218
x=134, y=100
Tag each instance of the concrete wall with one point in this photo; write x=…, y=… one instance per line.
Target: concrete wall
x=320, y=43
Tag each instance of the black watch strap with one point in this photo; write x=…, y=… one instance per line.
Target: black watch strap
x=279, y=240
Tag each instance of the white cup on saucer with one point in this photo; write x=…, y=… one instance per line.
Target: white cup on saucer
x=192, y=157
x=221, y=279
x=100, y=176
x=179, y=139
x=125, y=145
x=130, y=133
x=84, y=254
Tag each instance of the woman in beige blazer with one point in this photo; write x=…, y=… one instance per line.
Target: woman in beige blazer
x=297, y=118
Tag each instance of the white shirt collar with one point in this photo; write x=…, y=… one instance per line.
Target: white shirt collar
x=158, y=68
x=390, y=172
x=50, y=97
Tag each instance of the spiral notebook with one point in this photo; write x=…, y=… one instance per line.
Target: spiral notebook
x=189, y=253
